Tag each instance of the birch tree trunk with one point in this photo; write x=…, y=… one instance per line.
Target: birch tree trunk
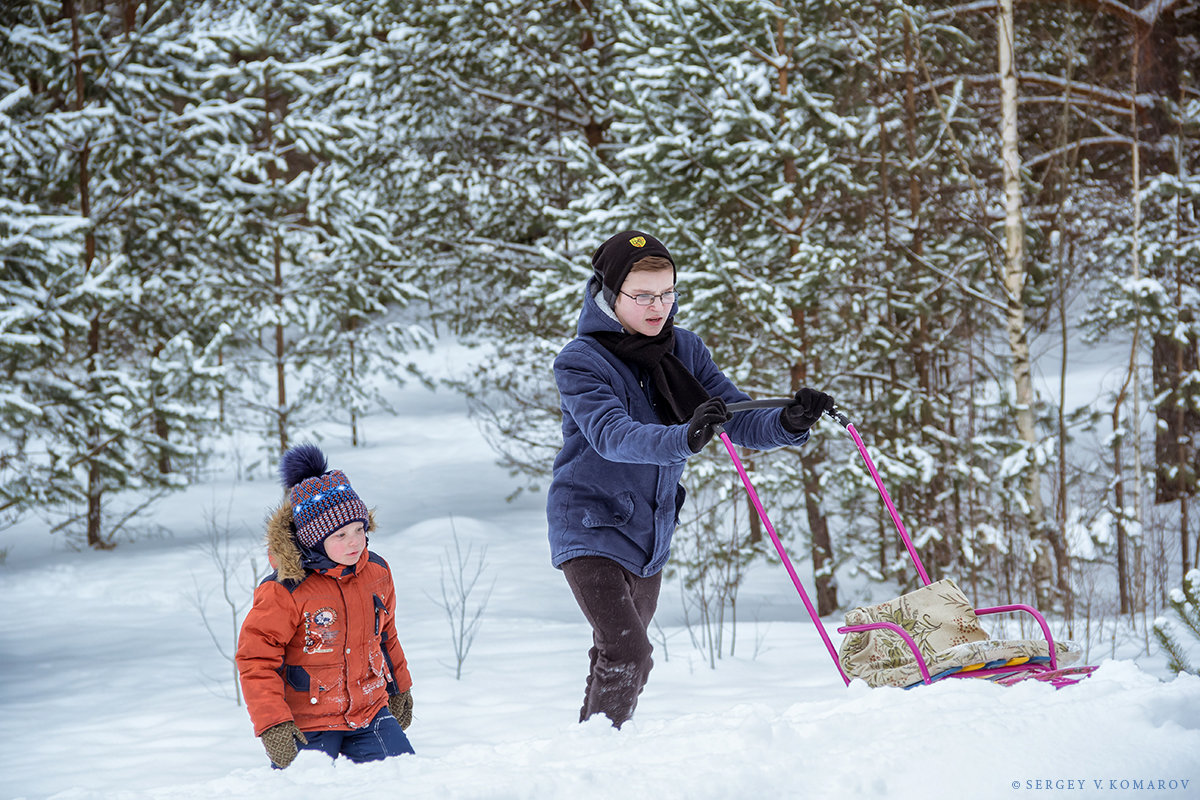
x=1135, y=423
x=1014, y=284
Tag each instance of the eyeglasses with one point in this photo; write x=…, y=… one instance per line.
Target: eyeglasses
x=668, y=298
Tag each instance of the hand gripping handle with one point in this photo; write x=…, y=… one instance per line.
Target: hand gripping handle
x=750, y=405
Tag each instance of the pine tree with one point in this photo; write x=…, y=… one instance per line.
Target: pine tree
x=92, y=102
x=310, y=277
x=482, y=109
x=1140, y=176
x=41, y=256
x=1186, y=604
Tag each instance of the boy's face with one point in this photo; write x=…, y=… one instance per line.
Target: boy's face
x=345, y=545
x=646, y=320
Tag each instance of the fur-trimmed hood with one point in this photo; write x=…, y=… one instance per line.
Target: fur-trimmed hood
x=284, y=550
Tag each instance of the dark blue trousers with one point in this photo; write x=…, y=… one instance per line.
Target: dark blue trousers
x=382, y=738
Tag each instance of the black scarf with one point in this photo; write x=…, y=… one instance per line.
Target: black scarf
x=677, y=392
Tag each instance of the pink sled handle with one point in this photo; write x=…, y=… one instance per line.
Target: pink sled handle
x=779, y=548
x=844, y=421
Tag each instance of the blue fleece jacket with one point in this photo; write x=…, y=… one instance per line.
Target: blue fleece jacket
x=615, y=491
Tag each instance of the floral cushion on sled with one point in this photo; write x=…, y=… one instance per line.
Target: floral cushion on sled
x=946, y=630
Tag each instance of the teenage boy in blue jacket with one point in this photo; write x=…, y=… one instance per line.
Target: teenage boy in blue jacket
x=639, y=397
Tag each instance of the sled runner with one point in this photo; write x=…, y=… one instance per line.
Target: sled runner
x=927, y=634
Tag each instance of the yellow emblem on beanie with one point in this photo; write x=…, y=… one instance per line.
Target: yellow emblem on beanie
x=638, y=241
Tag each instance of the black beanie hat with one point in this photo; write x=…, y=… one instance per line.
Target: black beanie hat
x=613, y=259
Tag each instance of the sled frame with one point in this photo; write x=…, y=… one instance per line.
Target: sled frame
x=1048, y=669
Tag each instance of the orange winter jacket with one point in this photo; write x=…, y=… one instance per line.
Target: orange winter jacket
x=319, y=646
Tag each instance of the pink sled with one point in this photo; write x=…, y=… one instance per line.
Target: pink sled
x=883, y=651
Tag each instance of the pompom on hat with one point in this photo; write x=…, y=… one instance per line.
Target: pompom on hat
x=612, y=260
x=322, y=500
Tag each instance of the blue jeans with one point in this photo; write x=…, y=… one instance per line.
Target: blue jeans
x=382, y=738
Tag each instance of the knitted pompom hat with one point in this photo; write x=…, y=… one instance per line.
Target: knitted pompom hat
x=612, y=260
x=322, y=500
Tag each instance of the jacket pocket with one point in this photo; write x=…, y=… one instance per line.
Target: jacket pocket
x=326, y=688
x=609, y=512
x=378, y=665
x=377, y=677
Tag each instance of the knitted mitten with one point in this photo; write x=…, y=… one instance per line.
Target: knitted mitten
x=280, y=742
x=401, y=707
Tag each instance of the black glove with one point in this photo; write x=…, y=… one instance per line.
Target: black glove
x=401, y=707
x=805, y=409
x=280, y=743
x=700, y=430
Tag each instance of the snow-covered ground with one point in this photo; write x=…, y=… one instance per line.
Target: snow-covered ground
x=111, y=686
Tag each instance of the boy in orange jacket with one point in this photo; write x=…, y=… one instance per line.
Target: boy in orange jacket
x=320, y=664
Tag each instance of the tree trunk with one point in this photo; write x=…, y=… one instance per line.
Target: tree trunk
x=223, y=384
x=1119, y=513
x=1064, y=562
x=95, y=485
x=882, y=539
x=129, y=15
x=1185, y=559
x=756, y=526
x=280, y=352
x=162, y=431
x=818, y=523
x=822, y=544
x=1014, y=285
x=281, y=413
x=350, y=326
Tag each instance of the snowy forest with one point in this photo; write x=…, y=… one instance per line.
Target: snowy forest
x=236, y=219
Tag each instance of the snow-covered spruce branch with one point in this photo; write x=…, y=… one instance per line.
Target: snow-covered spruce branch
x=1079, y=94
x=1079, y=144
x=752, y=199
x=1186, y=604
x=544, y=258
x=977, y=186
x=1153, y=11
x=115, y=528
x=515, y=37
x=90, y=454
x=512, y=100
x=957, y=281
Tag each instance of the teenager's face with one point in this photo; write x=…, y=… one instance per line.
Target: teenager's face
x=345, y=545
x=646, y=320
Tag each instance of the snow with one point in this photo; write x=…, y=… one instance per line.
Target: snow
x=113, y=688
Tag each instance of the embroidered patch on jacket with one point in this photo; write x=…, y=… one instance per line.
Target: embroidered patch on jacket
x=638, y=241
x=319, y=635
